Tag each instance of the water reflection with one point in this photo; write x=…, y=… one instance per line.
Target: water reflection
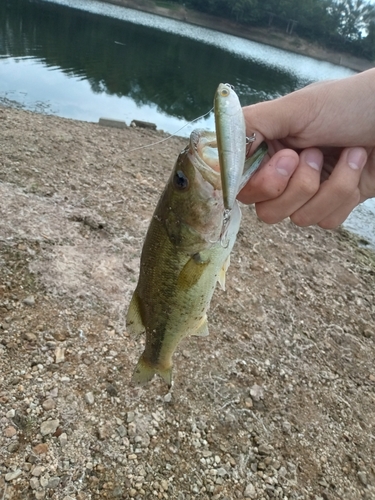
x=169, y=74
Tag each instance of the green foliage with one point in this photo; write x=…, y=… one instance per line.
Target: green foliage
x=339, y=24
x=369, y=42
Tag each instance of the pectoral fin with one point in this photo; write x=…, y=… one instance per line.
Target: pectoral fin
x=222, y=273
x=134, y=323
x=253, y=163
x=191, y=272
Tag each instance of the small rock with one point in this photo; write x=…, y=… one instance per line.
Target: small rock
x=132, y=429
x=250, y=491
x=48, y=404
x=10, y=414
x=104, y=432
x=34, y=483
x=362, y=476
x=49, y=427
x=13, y=447
x=11, y=476
x=29, y=301
x=282, y=471
x=221, y=472
x=89, y=398
x=168, y=397
x=30, y=337
x=112, y=390
x=43, y=481
x=40, y=448
x=37, y=470
x=53, y=483
x=287, y=427
x=59, y=336
x=117, y=492
x=248, y=403
x=265, y=449
x=121, y=431
x=195, y=488
x=257, y=392
x=10, y=432
x=59, y=354
x=54, y=392
x=368, y=333
x=63, y=438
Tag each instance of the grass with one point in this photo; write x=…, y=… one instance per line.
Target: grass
x=167, y=5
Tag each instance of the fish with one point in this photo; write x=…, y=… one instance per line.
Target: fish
x=185, y=253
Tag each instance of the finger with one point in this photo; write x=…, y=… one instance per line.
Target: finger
x=303, y=185
x=341, y=214
x=271, y=179
x=280, y=117
x=367, y=182
x=335, y=191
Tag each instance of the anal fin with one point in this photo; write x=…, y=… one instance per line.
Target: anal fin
x=202, y=329
x=222, y=272
x=134, y=323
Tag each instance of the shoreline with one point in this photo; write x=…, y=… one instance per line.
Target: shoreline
x=261, y=35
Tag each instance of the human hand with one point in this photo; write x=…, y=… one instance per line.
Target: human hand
x=322, y=152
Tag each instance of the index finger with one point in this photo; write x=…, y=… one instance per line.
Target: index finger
x=271, y=179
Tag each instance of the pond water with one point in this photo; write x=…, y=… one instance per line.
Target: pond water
x=84, y=59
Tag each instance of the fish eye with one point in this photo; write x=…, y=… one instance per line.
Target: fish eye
x=224, y=92
x=180, y=180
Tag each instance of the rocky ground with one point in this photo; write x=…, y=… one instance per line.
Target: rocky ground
x=278, y=402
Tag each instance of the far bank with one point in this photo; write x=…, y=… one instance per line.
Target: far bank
x=261, y=35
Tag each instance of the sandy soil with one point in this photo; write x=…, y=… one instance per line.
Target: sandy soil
x=278, y=402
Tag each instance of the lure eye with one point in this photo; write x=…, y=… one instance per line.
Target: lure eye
x=180, y=181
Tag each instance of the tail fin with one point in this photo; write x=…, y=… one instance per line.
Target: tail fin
x=144, y=372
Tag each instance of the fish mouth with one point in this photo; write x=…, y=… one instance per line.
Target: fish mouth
x=203, y=148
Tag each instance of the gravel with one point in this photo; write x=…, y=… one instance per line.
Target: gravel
x=278, y=402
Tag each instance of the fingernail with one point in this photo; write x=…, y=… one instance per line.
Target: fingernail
x=285, y=166
x=356, y=158
x=313, y=159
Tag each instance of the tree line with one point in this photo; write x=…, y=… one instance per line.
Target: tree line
x=344, y=25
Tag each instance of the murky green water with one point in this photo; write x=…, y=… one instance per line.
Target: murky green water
x=126, y=64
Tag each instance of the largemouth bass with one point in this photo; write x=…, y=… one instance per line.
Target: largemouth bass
x=185, y=253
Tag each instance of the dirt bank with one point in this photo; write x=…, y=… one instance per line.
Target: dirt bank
x=278, y=402
x=270, y=36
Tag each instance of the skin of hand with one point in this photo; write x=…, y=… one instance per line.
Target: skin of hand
x=321, y=161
